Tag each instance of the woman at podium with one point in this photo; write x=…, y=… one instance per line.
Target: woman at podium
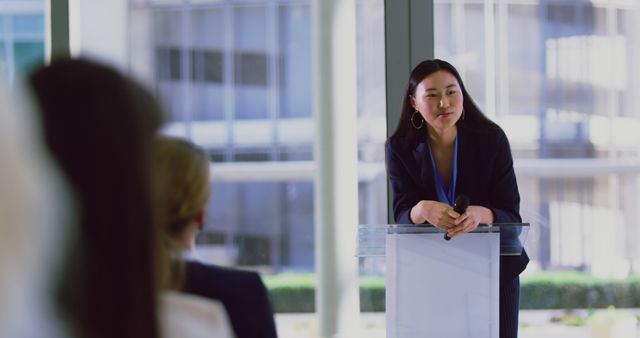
x=444, y=147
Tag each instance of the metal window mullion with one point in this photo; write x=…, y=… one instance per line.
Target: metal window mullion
x=156, y=56
x=503, y=58
x=229, y=79
x=489, y=58
x=458, y=27
x=635, y=186
x=273, y=75
x=185, y=82
x=612, y=95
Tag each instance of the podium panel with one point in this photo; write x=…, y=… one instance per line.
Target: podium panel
x=445, y=289
x=438, y=288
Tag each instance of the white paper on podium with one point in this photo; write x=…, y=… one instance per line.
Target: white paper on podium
x=442, y=289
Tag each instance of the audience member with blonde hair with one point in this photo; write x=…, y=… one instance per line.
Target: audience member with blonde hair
x=182, y=182
x=100, y=126
x=183, y=187
x=34, y=209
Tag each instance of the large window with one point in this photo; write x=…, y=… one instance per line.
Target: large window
x=563, y=91
x=235, y=78
x=21, y=37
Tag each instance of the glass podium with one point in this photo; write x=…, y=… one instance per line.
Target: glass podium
x=440, y=288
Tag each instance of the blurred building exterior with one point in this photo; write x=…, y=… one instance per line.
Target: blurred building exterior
x=235, y=75
x=236, y=78
x=558, y=76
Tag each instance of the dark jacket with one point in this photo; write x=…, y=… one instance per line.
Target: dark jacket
x=242, y=293
x=485, y=175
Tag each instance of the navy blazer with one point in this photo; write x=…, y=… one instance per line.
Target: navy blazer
x=242, y=293
x=485, y=175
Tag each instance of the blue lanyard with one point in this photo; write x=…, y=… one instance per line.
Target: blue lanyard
x=445, y=196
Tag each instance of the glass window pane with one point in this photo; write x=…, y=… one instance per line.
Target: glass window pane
x=251, y=69
x=208, y=63
x=166, y=27
x=28, y=25
x=168, y=63
x=216, y=65
x=28, y=56
x=213, y=66
x=258, y=237
x=298, y=248
x=563, y=75
x=524, y=41
x=207, y=102
x=251, y=102
x=295, y=154
x=251, y=156
x=172, y=99
x=459, y=32
x=251, y=62
x=294, y=61
x=3, y=61
x=208, y=53
x=208, y=28
x=250, y=28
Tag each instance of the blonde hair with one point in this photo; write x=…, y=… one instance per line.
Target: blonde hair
x=181, y=171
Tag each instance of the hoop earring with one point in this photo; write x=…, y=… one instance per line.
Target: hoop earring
x=413, y=123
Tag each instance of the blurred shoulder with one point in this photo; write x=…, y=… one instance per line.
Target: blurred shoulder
x=194, y=316
x=220, y=274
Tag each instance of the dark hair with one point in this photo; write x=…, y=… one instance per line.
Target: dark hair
x=473, y=117
x=99, y=125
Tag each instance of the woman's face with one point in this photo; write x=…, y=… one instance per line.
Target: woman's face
x=439, y=99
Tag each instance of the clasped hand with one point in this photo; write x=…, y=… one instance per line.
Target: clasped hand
x=443, y=216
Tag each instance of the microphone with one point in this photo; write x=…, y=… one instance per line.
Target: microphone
x=461, y=204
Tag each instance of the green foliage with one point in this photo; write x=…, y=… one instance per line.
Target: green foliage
x=577, y=291
x=372, y=294
x=291, y=293
x=573, y=320
x=295, y=293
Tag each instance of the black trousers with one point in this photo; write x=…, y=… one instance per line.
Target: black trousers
x=509, y=307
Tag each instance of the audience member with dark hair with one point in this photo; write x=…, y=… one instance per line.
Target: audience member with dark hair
x=183, y=186
x=100, y=125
